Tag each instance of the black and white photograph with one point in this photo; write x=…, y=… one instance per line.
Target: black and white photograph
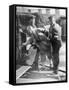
x=41, y=44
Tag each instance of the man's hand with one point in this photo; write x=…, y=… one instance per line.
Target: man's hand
x=23, y=44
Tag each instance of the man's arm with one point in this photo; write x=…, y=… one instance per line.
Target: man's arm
x=29, y=41
x=57, y=32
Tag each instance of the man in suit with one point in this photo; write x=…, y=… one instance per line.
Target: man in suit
x=55, y=39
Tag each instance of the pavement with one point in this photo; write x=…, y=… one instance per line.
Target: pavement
x=33, y=76
x=62, y=56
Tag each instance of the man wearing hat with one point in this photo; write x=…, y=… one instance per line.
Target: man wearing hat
x=55, y=38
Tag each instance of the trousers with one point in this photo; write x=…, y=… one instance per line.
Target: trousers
x=56, y=44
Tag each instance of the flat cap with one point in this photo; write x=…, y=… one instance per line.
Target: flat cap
x=50, y=17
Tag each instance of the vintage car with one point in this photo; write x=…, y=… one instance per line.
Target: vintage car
x=23, y=20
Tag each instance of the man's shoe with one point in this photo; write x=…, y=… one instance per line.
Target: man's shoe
x=55, y=71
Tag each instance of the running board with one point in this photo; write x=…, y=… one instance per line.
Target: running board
x=21, y=71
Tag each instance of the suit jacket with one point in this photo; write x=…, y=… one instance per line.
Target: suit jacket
x=54, y=31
